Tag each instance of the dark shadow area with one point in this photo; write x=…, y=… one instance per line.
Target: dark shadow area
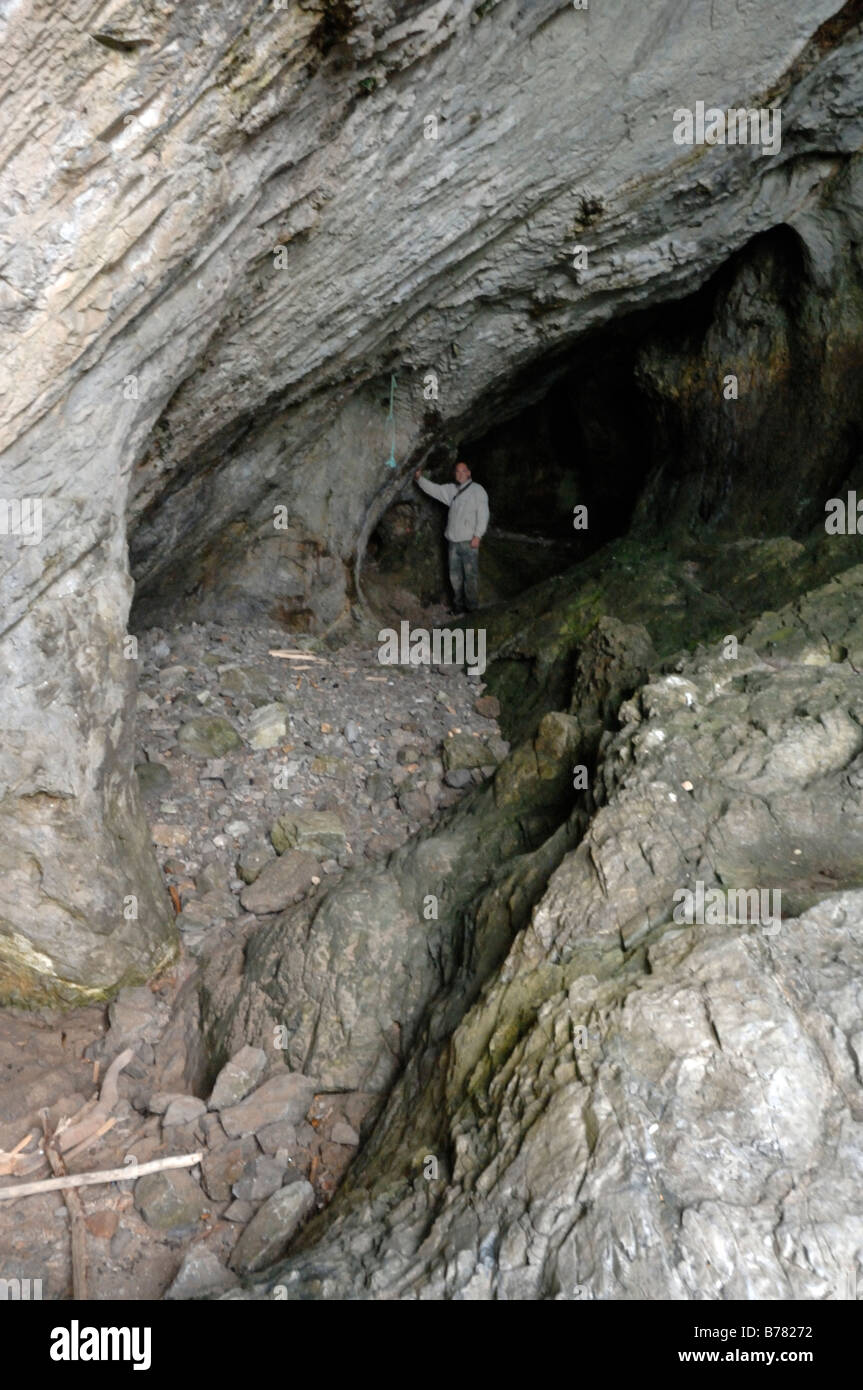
x=733, y=413
x=564, y=469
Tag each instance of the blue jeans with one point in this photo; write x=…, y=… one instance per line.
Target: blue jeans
x=464, y=574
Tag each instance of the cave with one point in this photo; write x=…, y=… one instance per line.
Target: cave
x=402, y=952
x=581, y=439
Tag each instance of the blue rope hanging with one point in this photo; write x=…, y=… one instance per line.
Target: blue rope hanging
x=391, y=461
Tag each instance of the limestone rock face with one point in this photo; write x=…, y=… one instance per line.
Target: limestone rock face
x=226, y=229
x=758, y=416
x=638, y=1105
x=350, y=978
x=82, y=907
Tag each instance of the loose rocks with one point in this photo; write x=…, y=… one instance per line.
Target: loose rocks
x=238, y=1077
x=318, y=832
x=280, y=883
x=208, y=736
x=284, y=1097
x=169, y=1201
x=268, y=1233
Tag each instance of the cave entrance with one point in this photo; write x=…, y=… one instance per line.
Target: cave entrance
x=563, y=452
x=730, y=413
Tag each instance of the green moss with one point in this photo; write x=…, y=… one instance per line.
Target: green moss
x=694, y=592
x=29, y=983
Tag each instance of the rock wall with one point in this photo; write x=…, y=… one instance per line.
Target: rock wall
x=636, y=1106
x=356, y=979
x=164, y=365
x=756, y=415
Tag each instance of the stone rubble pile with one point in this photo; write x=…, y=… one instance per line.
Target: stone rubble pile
x=264, y=778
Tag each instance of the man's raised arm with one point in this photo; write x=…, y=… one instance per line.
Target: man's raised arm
x=442, y=491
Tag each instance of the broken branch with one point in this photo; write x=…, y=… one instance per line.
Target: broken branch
x=133, y=1170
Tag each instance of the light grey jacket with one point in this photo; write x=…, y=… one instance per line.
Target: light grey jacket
x=468, y=508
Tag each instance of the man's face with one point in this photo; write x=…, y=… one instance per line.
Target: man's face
x=462, y=473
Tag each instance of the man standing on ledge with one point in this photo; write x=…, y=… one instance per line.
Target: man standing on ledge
x=466, y=525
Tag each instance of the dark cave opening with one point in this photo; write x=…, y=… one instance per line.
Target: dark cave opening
x=563, y=475
x=732, y=412
x=565, y=469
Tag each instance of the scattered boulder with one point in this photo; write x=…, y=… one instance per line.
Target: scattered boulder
x=260, y=1178
x=281, y=882
x=318, y=832
x=487, y=706
x=269, y=1232
x=240, y=1212
x=207, y=909
x=465, y=751
x=226, y=1165
x=498, y=748
x=379, y=786
x=170, y=1200
x=160, y=1101
x=415, y=804
x=211, y=1127
x=153, y=778
x=408, y=754
x=459, y=777
x=212, y=878
x=136, y=1014
x=280, y=1135
x=343, y=1133
x=268, y=725
x=208, y=736
x=196, y=916
x=183, y=1110
x=286, y=1096
x=238, y=1077
x=327, y=765
x=254, y=859
x=201, y=1273
x=168, y=836
x=247, y=681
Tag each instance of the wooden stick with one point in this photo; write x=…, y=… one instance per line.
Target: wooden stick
x=134, y=1170
x=298, y=656
x=71, y=1133
x=76, y=1216
x=16, y=1164
x=91, y=1139
x=110, y=1092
